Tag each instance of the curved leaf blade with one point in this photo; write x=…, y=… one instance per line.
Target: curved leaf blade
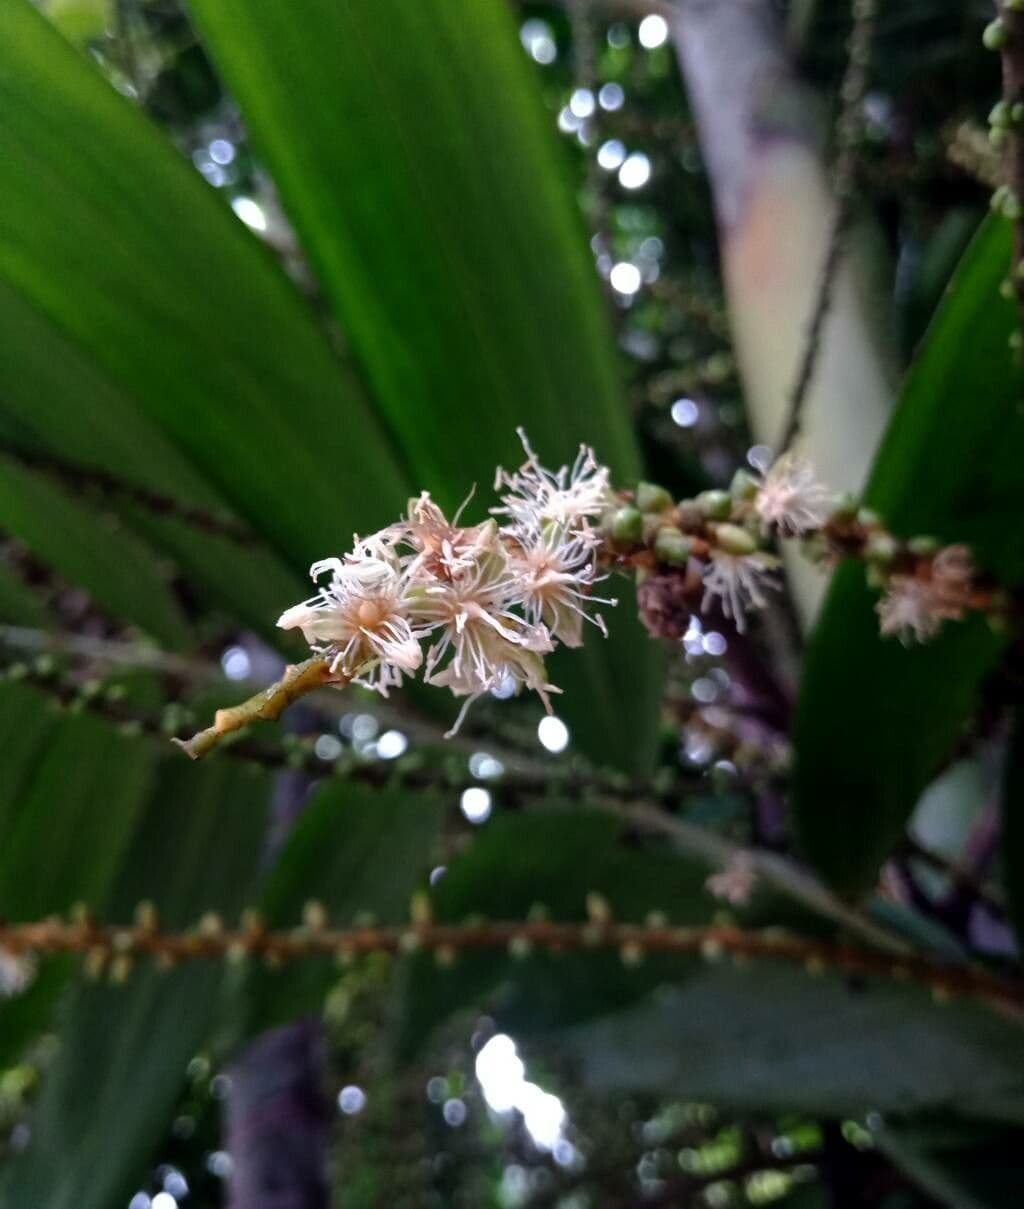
x=875, y=719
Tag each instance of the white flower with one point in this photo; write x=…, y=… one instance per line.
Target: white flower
x=735, y=882
x=557, y=570
x=790, y=498
x=913, y=607
x=361, y=619
x=16, y=972
x=567, y=497
x=440, y=549
x=481, y=637
x=738, y=580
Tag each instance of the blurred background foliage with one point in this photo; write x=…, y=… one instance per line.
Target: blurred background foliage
x=267, y=270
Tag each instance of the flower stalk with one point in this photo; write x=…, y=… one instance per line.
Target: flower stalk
x=267, y=705
x=111, y=951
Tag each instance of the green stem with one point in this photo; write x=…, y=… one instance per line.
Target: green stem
x=267, y=705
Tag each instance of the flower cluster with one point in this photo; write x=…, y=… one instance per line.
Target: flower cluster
x=474, y=607
x=914, y=605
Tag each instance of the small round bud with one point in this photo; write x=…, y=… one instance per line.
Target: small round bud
x=652, y=498
x=734, y=540
x=881, y=548
x=598, y=908
x=924, y=547
x=1012, y=208
x=995, y=35
x=1017, y=111
x=844, y=506
x=628, y=524
x=715, y=505
x=997, y=137
x=314, y=916
x=1007, y=289
x=743, y=486
x=210, y=925
x=868, y=518
x=409, y=942
x=420, y=910
x=999, y=114
x=520, y=947
x=445, y=956
x=631, y=954
x=671, y=546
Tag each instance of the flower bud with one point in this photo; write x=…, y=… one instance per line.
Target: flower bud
x=881, y=548
x=734, y=540
x=671, y=546
x=868, y=518
x=743, y=486
x=652, y=498
x=715, y=505
x=999, y=115
x=924, y=547
x=995, y=35
x=627, y=524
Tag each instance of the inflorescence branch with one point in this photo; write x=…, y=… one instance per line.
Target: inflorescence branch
x=112, y=950
x=476, y=608
x=1006, y=133
x=85, y=478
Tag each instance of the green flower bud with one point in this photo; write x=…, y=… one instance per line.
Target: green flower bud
x=924, y=547
x=1011, y=206
x=997, y=137
x=868, y=518
x=627, y=524
x=734, y=540
x=670, y=546
x=1007, y=289
x=743, y=486
x=715, y=505
x=995, y=35
x=844, y=506
x=875, y=576
x=881, y=548
x=999, y=115
x=652, y=498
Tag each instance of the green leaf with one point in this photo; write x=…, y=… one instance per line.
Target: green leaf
x=111, y=235
x=91, y=549
x=70, y=797
x=107, y=1097
x=772, y=1038
x=354, y=850
x=875, y=719
x=969, y=1167
x=56, y=399
x=413, y=155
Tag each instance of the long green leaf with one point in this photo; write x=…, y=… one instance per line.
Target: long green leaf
x=875, y=719
x=767, y=1038
x=107, y=1098
x=415, y=158
x=71, y=794
x=90, y=549
x=56, y=399
x=109, y=233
